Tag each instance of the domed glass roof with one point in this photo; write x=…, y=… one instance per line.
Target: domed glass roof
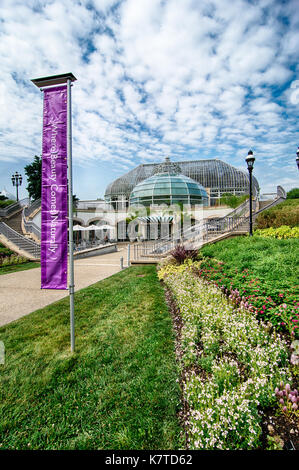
x=216, y=176
x=168, y=187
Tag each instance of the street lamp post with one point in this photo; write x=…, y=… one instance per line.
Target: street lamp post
x=17, y=181
x=250, y=162
x=297, y=158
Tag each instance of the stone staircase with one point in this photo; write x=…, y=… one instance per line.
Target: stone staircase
x=18, y=243
x=15, y=221
x=11, y=236
x=207, y=231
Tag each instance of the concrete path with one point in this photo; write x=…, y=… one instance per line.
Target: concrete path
x=20, y=292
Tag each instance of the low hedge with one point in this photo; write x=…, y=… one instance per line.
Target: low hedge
x=282, y=232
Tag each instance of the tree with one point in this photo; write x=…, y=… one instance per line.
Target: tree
x=232, y=201
x=293, y=193
x=33, y=172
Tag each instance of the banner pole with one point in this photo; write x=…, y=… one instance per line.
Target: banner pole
x=70, y=202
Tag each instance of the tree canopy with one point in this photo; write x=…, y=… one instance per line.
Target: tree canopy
x=293, y=193
x=233, y=201
x=33, y=172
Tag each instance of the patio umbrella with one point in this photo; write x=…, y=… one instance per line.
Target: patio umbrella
x=105, y=227
x=94, y=227
x=77, y=228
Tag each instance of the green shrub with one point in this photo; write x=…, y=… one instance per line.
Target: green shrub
x=282, y=232
x=233, y=201
x=293, y=194
x=6, y=202
x=12, y=260
x=286, y=213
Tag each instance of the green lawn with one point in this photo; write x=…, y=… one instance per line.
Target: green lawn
x=271, y=259
x=18, y=267
x=117, y=391
x=264, y=271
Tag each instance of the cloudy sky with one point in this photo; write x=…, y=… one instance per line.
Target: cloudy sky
x=188, y=79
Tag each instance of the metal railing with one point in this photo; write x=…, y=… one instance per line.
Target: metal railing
x=281, y=193
x=23, y=243
x=7, y=211
x=192, y=238
x=242, y=209
x=32, y=207
x=31, y=227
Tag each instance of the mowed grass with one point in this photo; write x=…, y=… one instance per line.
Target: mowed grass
x=269, y=259
x=117, y=391
x=18, y=267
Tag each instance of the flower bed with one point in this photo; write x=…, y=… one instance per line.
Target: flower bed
x=232, y=364
x=274, y=301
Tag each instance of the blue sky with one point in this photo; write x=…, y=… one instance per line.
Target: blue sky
x=186, y=79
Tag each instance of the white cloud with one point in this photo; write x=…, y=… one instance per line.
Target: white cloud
x=154, y=77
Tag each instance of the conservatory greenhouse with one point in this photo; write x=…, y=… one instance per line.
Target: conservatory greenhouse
x=144, y=194
x=214, y=178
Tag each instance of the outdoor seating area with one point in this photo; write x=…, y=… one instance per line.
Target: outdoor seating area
x=86, y=244
x=93, y=236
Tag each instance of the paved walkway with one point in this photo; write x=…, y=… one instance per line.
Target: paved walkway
x=20, y=292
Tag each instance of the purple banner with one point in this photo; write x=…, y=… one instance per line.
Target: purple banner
x=54, y=224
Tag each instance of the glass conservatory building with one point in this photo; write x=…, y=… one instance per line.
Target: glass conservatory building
x=206, y=179
x=168, y=186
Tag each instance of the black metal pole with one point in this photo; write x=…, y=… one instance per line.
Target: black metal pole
x=250, y=201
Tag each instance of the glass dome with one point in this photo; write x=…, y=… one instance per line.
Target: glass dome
x=168, y=187
x=216, y=176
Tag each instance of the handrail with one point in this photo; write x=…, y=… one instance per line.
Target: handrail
x=30, y=209
x=21, y=242
x=241, y=209
x=281, y=192
x=207, y=229
x=6, y=211
x=31, y=227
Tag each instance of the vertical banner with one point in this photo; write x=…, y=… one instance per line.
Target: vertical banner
x=54, y=221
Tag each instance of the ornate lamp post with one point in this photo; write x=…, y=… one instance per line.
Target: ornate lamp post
x=17, y=181
x=297, y=158
x=250, y=162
